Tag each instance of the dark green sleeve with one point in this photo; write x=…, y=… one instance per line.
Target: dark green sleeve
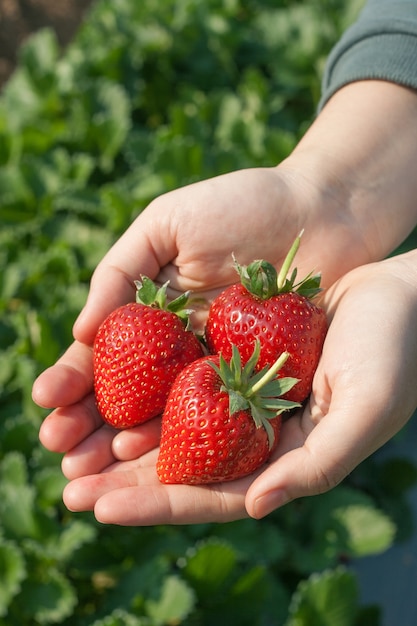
x=381, y=44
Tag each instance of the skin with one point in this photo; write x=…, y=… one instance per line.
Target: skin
x=355, y=200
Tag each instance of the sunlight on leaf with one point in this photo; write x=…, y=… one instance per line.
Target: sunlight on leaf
x=326, y=599
x=175, y=603
x=12, y=572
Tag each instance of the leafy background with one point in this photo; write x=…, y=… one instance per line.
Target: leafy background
x=149, y=96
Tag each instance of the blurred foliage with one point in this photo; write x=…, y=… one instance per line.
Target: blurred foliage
x=150, y=96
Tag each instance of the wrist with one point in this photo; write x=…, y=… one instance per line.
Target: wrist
x=360, y=153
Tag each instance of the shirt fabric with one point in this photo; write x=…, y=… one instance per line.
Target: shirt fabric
x=381, y=45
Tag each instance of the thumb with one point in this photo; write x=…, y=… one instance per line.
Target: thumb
x=316, y=466
x=310, y=464
x=112, y=283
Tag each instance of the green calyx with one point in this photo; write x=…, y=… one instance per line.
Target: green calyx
x=258, y=392
x=261, y=279
x=148, y=293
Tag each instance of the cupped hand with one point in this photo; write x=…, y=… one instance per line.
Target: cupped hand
x=188, y=236
x=363, y=393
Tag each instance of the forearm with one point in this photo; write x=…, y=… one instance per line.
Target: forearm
x=361, y=151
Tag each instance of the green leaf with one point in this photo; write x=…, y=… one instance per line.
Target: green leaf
x=17, y=433
x=279, y=387
x=209, y=565
x=326, y=599
x=39, y=55
x=102, y=111
x=138, y=582
x=17, y=510
x=70, y=539
x=49, y=482
x=14, y=195
x=254, y=539
x=259, y=278
x=175, y=603
x=246, y=600
x=23, y=105
x=352, y=523
x=309, y=286
x=12, y=573
x=13, y=469
x=178, y=305
x=84, y=202
x=237, y=402
x=369, y=530
x=120, y=617
x=148, y=293
x=17, y=498
x=250, y=586
x=398, y=475
x=48, y=599
x=342, y=523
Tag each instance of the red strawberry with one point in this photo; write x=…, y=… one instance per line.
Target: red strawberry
x=138, y=351
x=221, y=422
x=278, y=312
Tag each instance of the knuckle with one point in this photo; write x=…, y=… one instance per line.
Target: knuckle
x=326, y=473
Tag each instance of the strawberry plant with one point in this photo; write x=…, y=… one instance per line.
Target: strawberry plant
x=151, y=96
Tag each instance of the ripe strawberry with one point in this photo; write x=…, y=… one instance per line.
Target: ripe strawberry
x=278, y=312
x=221, y=421
x=138, y=351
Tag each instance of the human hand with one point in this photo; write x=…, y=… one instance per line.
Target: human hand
x=373, y=313
x=188, y=237
x=342, y=198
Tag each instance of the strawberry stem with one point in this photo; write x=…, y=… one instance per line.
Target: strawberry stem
x=269, y=375
x=262, y=280
x=282, y=276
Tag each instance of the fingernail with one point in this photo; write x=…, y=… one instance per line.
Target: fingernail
x=270, y=501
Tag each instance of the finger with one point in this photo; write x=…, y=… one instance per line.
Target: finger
x=130, y=493
x=310, y=469
x=84, y=490
x=147, y=459
x=140, y=250
x=66, y=382
x=137, y=498
x=66, y=427
x=134, y=442
x=342, y=439
x=169, y=504
x=110, y=287
x=91, y=456
x=82, y=493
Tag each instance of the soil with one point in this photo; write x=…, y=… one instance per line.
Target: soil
x=20, y=18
